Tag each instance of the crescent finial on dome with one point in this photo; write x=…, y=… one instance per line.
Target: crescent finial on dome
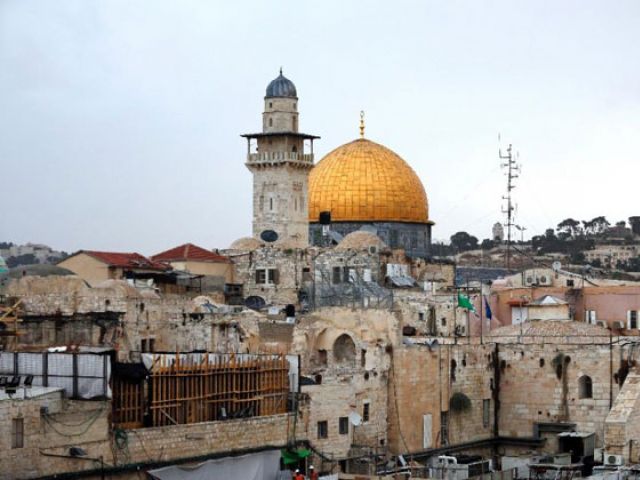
x=361, y=123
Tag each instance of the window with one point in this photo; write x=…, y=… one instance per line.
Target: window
x=323, y=429
x=343, y=425
x=295, y=123
x=393, y=238
x=17, y=433
x=570, y=283
x=271, y=122
x=591, y=317
x=267, y=276
x=486, y=411
x=421, y=316
x=322, y=357
x=306, y=274
x=444, y=428
x=363, y=358
x=337, y=275
x=365, y=412
x=585, y=387
x=632, y=319
x=271, y=204
x=270, y=104
x=143, y=345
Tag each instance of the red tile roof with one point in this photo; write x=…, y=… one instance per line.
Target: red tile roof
x=126, y=260
x=192, y=252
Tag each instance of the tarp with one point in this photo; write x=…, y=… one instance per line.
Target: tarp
x=255, y=466
x=81, y=375
x=290, y=457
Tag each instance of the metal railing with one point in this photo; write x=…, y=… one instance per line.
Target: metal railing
x=266, y=157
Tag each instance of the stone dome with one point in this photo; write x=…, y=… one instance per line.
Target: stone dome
x=363, y=181
x=281, y=87
x=245, y=243
x=360, y=240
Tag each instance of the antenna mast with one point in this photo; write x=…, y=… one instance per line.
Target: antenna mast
x=513, y=171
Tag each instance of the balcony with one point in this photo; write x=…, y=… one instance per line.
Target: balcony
x=278, y=157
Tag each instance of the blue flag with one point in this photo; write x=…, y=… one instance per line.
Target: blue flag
x=487, y=308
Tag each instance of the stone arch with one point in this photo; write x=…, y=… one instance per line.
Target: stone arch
x=585, y=387
x=344, y=350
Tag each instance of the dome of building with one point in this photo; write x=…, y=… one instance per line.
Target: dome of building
x=281, y=87
x=360, y=240
x=245, y=243
x=363, y=181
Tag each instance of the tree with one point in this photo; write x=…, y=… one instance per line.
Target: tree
x=600, y=225
x=570, y=227
x=26, y=259
x=635, y=225
x=488, y=244
x=596, y=263
x=462, y=242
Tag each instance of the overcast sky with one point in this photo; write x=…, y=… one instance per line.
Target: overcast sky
x=120, y=120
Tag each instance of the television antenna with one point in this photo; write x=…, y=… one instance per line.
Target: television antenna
x=512, y=172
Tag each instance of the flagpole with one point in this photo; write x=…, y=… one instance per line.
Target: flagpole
x=468, y=320
x=481, y=308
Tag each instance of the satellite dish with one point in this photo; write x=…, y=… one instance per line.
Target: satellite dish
x=556, y=266
x=269, y=236
x=355, y=419
x=255, y=302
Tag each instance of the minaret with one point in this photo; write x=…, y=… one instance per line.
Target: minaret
x=280, y=167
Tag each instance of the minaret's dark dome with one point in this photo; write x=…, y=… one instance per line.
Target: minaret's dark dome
x=282, y=87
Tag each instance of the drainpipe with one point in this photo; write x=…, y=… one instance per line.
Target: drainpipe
x=496, y=394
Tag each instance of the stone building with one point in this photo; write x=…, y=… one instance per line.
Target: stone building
x=95, y=267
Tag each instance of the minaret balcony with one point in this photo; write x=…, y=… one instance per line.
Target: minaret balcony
x=279, y=157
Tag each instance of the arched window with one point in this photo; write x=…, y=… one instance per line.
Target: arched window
x=295, y=123
x=271, y=122
x=344, y=350
x=585, y=387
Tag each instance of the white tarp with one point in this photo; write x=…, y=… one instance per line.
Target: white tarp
x=91, y=370
x=255, y=466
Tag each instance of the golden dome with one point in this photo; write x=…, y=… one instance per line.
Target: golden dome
x=363, y=181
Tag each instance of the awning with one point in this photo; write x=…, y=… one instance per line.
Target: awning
x=291, y=457
x=402, y=281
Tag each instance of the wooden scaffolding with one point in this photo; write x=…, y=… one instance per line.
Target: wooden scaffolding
x=183, y=388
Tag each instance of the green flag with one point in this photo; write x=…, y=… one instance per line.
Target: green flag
x=464, y=302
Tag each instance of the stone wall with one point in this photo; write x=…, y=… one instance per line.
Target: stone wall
x=622, y=426
x=184, y=441
x=65, y=311
x=48, y=436
x=533, y=389
x=422, y=383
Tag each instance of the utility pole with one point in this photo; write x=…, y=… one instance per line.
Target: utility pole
x=512, y=173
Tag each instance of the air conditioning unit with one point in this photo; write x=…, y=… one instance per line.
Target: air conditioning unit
x=613, y=460
x=373, y=249
x=544, y=280
x=530, y=280
x=602, y=324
